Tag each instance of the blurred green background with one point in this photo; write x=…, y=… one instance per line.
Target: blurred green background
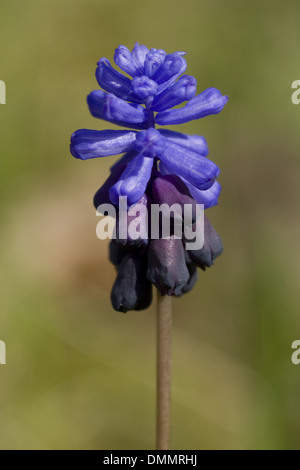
x=78, y=374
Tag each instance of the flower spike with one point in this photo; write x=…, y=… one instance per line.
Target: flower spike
x=159, y=167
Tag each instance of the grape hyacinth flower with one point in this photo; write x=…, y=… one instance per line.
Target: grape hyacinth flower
x=158, y=166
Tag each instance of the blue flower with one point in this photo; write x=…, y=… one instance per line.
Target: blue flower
x=158, y=166
x=148, y=97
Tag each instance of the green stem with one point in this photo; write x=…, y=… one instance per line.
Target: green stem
x=164, y=362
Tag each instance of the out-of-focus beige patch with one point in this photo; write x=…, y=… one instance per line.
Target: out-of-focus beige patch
x=54, y=237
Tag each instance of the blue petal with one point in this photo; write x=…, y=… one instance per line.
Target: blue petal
x=196, y=169
x=143, y=87
x=176, y=62
x=209, y=197
x=133, y=181
x=154, y=60
x=114, y=82
x=196, y=143
x=110, y=108
x=173, y=65
x=87, y=144
x=210, y=101
x=138, y=55
x=150, y=142
x=123, y=59
x=184, y=89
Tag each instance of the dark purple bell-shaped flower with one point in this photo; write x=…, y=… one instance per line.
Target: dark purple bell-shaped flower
x=211, y=249
x=170, y=190
x=131, y=290
x=132, y=225
x=167, y=268
x=192, y=268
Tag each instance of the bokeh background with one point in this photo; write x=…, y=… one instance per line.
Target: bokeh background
x=78, y=374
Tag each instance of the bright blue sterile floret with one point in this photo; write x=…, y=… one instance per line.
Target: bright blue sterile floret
x=152, y=91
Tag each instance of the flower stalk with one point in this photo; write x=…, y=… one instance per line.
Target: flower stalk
x=164, y=368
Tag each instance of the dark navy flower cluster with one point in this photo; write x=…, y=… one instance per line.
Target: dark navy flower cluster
x=158, y=165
